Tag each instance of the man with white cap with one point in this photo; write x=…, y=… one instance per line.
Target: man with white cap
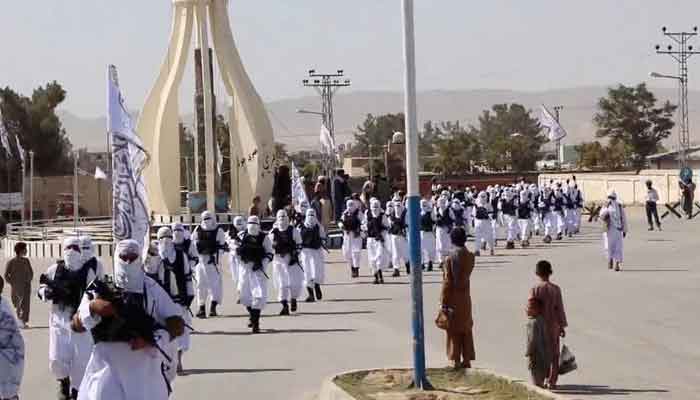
x=398, y=226
x=133, y=323
x=445, y=222
x=351, y=223
x=176, y=254
x=64, y=284
x=254, y=252
x=483, y=231
x=376, y=226
x=615, y=222
x=313, y=237
x=427, y=234
x=288, y=273
x=87, y=253
x=239, y=224
x=210, y=241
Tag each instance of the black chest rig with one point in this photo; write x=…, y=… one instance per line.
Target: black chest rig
x=69, y=286
x=206, y=241
x=398, y=224
x=310, y=237
x=443, y=218
x=426, y=222
x=508, y=207
x=351, y=222
x=375, y=228
x=283, y=241
x=176, y=272
x=252, y=249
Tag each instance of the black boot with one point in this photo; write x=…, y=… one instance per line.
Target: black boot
x=440, y=265
x=376, y=278
x=408, y=268
x=356, y=272
x=202, y=313
x=381, y=276
x=294, y=305
x=250, y=317
x=317, y=291
x=256, y=321
x=430, y=266
x=74, y=394
x=212, y=309
x=180, y=369
x=63, y=389
x=285, y=308
x=396, y=273
x=310, y=298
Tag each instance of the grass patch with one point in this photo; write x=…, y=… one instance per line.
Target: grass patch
x=449, y=385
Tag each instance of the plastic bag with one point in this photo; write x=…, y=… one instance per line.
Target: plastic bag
x=567, y=361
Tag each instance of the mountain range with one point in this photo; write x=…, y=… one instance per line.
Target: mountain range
x=301, y=131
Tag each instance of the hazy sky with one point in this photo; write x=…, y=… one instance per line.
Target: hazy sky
x=461, y=44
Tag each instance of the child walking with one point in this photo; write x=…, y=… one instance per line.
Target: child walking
x=537, y=346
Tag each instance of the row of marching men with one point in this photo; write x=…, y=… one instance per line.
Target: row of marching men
x=122, y=336
x=521, y=210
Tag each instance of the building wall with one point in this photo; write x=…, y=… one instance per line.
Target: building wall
x=630, y=188
x=673, y=164
x=95, y=195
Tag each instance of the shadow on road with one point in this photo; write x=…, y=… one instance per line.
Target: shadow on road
x=269, y=331
x=653, y=270
x=207, y=371
x=601, y=390
x=335, y=313
x=353, y=300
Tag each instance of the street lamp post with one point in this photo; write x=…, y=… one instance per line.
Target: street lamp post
x=420, y=379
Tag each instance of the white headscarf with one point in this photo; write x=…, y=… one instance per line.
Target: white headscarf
x=239, y=223
x=166, y=249
x=178, y=232
x=310, y=220
x=375, y=207
x=425, y=206
x=73, y=258
x=129, y=275
x=87, y=250
x=282, y=220
x=253, y=227
x=208, y=221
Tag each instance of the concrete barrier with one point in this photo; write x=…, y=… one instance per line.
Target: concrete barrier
x=630, y=187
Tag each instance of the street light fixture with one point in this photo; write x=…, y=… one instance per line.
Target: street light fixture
x=658, y=75
x=300, y=111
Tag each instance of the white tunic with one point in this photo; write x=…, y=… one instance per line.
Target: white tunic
x=11, y=352
x=115, y=371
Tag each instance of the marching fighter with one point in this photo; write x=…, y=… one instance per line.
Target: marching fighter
x=64, y=284
x=210, y=241
x=445, y=222
x=615, y=220
x=399, y=245
x=288, y=273
x=254, y=251
x=427, y=234
x=507, y=207
x=524, y=213
x=483, y=230
x=176, y=254
x=313, y=237
x=133, y=322
x=376, y=227
x=351, y=224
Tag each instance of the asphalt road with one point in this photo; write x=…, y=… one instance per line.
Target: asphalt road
x=634, y=333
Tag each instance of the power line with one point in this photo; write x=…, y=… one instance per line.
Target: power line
x=681, y=55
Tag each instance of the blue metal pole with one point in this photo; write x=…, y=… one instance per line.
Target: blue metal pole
x=420, y=379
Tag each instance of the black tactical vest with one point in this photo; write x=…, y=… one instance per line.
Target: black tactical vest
x=351, y=222
x=251, y=249
x=72, y=284
x=459, y=217
x=508, y=207
x=176, y=271
x=310, y=237
x=398, y=224
x=375, y=228
x=482, y=213
x=206, y=241
x=426, y=222
x=132, y=320
x=443, y=218
x=283, y=241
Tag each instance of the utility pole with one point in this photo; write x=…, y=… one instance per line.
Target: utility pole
x=31, y=187
x=560, y=150
x=681, y=55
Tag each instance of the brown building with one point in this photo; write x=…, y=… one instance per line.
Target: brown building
x=669, y=159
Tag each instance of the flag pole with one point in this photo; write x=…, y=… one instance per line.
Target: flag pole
x=420, y=380
x=75, y=192
x=31, y=187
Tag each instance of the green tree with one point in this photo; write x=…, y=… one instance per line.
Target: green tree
x=630, y=116
x=595, y=155
x=34, y=121
x=458, y=150
x=510, y=138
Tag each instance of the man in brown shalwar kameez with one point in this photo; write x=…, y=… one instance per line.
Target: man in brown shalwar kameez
x=456, y=301
x=19, y=274
x=554, y=316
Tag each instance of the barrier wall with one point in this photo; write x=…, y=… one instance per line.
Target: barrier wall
x=631, y=188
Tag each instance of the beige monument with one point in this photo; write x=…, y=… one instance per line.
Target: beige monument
x=251, y=132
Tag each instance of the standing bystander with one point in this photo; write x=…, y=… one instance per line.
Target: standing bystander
x=19, y=274
x=652, y=198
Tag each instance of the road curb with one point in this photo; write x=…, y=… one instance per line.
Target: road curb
x=331, y=391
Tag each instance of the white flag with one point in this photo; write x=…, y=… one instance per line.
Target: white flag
x=327, y=142
x=4, y=136
x=129, y=158
x=100, y=174
x=547, y=120
x=20, y=149
x=219, y=159
x=298, y=192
